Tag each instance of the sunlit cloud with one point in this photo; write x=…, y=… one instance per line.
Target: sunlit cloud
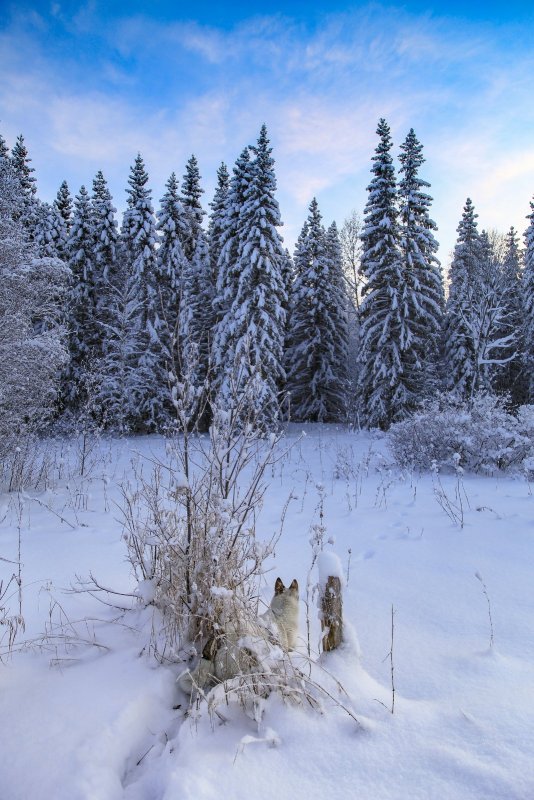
x=172, y=88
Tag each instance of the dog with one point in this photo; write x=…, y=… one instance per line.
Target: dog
x=244, y=647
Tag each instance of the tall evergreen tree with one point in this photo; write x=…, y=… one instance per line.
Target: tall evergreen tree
x=20, y=161
x=317, y=349
x=510, y=377
x=63, y=205
x=83, y=331
x=191, y=194
x=528, y=303
x=227, y=278
x=106, y=273
x=424, y=292
x=464, y=282
x=257, y=319
x=48, y=232
x=171, y=267
x=4, y=149
x=217, y=216
x=138, y=254
x=385, y=393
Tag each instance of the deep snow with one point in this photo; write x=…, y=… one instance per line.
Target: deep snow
x=100, y=724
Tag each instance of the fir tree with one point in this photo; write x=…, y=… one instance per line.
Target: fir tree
x=257, y=311
x=171, y=266
x=217, y=216
x=4, y=149
x=20, y=161
x=63, y=205
x=511, y=378
x=196, y=324
x=464, y=280
x=528, y=303
x=83, y=331
x=48, y=232
x=227, y=278
x=138, y=254
x=424, y=293
x=317, y=353
x=385, y=388
x=105, y=235
x=191, y=194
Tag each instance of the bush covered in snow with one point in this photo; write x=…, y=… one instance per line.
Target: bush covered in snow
x=481, y=436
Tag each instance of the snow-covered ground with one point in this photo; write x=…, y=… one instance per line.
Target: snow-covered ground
x=103, y=726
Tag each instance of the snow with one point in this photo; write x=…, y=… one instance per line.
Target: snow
x=101, y=724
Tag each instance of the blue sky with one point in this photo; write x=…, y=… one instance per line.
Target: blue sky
x=91, y=84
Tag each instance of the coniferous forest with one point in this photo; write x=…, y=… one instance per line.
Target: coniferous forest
x=187, y=303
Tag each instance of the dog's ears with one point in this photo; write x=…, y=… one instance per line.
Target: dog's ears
x=279, y=586
x=294, y=587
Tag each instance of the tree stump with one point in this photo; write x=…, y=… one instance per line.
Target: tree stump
x=332, y=614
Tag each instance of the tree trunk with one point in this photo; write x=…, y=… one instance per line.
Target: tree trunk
x=332, y=614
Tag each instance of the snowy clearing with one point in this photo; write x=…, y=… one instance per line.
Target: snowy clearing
x=101, y=722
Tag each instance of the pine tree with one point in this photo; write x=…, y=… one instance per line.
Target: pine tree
x=227, y=277
x=316, y=358
x=217, y=216
x=48, y=232
x=120, y=391
x=171, y=266
x=424, y=297
x=63, y=205
x=138, y=254
x=20, y=161
x=105, y=236
x=191, y=194
x=510, y=377
x=4, y=149
x=255, y=323
x=196, y=324
x=83, y=331
x=460, y=367
x=528, y=303
x=385, y=326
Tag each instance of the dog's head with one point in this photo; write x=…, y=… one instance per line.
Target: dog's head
x=293, y=589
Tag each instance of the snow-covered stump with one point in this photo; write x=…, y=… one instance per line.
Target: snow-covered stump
x=332, y=614
x=330, y=599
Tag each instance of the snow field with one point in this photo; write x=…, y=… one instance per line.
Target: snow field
x=102, y=726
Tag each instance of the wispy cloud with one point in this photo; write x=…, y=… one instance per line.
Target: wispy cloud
x=113, y=87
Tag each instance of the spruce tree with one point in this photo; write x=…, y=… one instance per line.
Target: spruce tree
x=138, y=255
x=477, y=330
x=171, y=266
x=217, y=216
x=191, y=194
x=83, y=331
x=424, y=293
x=256, y=331
x=106, y=272
x=196, y=325
x=464, y=282
x=63, y=205
x=227, y=277
x=20, y=161
x=528, y=303
x=316, y=359
x=385, y=393
x=48, y=232
x=4, y=149
x=511, y=378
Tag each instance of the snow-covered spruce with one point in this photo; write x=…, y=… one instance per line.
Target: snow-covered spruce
x=316, y=358
x=138, y=253
x=387, y=356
